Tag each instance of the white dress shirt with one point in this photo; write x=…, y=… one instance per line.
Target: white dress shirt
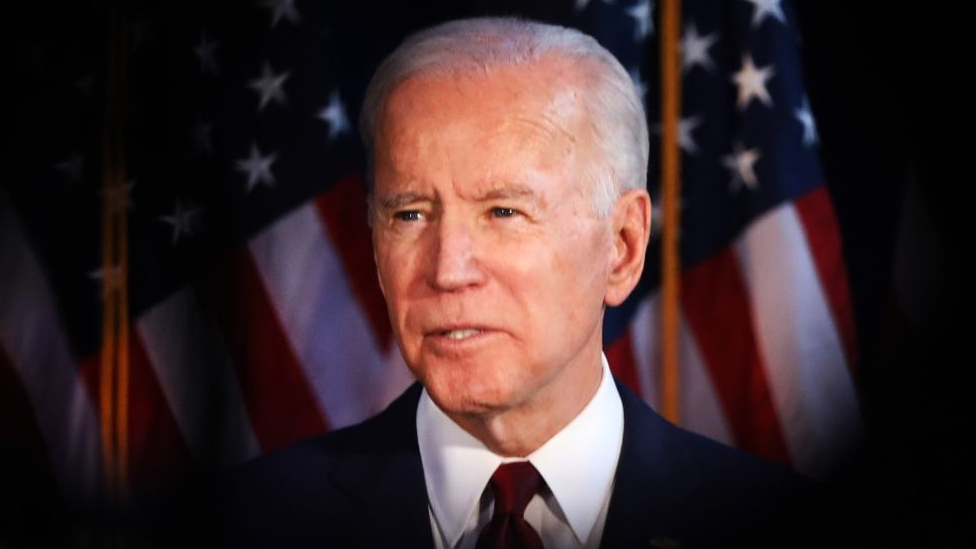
x=578, y=465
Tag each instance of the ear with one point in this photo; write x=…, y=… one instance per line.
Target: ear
x=631, y=232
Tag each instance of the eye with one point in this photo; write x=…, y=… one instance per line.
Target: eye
x=504, y=212
x=408, y=215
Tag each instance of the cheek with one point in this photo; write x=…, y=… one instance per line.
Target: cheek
x=580, y=273
x=583, y=255
x=380, y=271
x=553, y=282
x=394, y=279
x=404, y=264
x=396, y=256
x=384, y=276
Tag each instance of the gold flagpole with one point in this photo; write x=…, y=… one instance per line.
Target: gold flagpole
x=114, y=372
x=109, y=314
x=670, y=211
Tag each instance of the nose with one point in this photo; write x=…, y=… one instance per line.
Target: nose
x=456, y=263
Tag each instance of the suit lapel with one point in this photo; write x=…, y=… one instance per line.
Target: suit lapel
x=650, y=484
x=385, y=476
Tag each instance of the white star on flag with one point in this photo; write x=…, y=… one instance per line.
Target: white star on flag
x=694, y=49
x=269, y=86
x=741, y=163
x=334, y=114
x=805, y=117
x=765, y=8
x=685, y=139
x=752, y=83
x=658, y=214
x=282, y=9
x=185, y=220
x=205, y=53
x=641, y=12
x=72, y=167
x=258, y=168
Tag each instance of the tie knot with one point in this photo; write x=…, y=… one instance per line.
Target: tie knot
x=513, y=485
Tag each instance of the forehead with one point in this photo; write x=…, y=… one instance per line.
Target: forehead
x=535, y=105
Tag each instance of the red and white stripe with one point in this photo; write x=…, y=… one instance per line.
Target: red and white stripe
x=805, y=358
x=699, y=403
x=300, y=345
x=289, y=334
x=766, y=342
x=309, y=286
x=33, y=340
x=192, y=368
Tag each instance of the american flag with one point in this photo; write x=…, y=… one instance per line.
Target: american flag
x=768, y=350
x=255, y=318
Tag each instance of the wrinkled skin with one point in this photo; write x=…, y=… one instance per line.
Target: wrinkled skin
x=493, y=261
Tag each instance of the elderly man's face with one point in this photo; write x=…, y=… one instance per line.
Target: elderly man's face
x=492, y=260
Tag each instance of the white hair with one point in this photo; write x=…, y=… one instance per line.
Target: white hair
x=476, y=46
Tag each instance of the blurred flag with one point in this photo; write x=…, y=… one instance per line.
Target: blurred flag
x=256, y=320
x=768, y=352
x=255, y=316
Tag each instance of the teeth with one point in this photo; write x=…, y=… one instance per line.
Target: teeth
x=461, y=334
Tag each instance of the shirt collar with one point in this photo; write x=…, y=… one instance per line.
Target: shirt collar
x=577, y=463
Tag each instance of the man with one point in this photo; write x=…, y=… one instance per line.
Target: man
x=508, y=209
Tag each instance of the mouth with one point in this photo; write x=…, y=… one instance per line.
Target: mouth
x=457, y=333
x=460, y=334
x=450, y=340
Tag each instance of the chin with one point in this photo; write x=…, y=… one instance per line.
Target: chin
x=475, y=391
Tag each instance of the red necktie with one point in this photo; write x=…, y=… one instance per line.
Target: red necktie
x=513, y=485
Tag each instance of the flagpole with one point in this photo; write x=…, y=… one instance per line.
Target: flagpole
x=670, y=210
x=114, y=372
x=120, y=212
x=109, y=302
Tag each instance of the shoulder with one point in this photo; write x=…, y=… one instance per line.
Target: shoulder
x=305, y=464
x=686, y=453
x=703, y=490
x=276, y=499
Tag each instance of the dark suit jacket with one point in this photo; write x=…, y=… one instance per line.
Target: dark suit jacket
x=363, y=486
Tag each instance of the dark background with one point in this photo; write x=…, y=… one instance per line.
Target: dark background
x=885, y=82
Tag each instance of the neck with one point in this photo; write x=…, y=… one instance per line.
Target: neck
x=521, y=430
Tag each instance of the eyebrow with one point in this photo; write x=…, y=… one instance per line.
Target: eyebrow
x=508, y=192
x=399, y=200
